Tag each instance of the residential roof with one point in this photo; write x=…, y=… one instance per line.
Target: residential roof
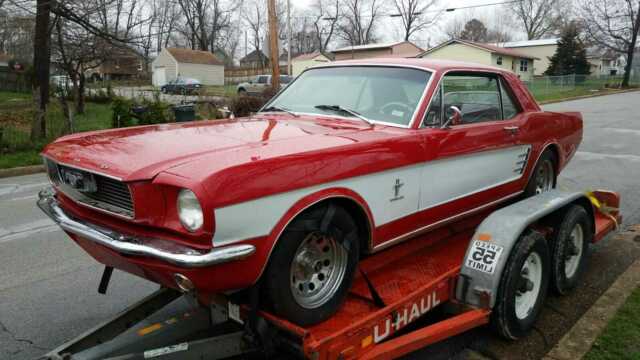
x=309, y=56
x=527, y=43
x=487, y=47
x=183, y=55
x=255, y=55
x=368, y=46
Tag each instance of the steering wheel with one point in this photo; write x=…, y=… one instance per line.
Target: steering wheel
x=388, y=108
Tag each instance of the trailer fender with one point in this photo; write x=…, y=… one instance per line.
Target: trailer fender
x=495, y=237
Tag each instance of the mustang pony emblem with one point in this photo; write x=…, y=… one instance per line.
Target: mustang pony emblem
x=396, y=190
x=83, y=182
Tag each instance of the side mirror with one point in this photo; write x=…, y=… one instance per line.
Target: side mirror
x=454, y=117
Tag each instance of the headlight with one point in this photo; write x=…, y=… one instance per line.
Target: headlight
x=189, y=210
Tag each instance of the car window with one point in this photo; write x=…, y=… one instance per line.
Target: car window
x=434, y=114
x=509, y=108
x=285, y=79
x=384, y=94
x=262, y=79
x=477, y=97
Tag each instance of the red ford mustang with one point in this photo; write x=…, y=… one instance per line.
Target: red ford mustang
x=349, y=159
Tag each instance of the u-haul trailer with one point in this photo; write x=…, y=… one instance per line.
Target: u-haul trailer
x=493, y=267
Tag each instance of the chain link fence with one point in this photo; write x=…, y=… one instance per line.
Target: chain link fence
x=566, y=86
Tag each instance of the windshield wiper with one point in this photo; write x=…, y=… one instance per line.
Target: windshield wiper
x=338, y=108
x=279, y=109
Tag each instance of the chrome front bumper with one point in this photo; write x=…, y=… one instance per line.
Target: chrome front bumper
x=125, y=244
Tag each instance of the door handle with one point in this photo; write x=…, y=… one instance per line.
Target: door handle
x=511, y=129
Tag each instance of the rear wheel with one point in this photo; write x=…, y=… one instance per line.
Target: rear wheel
x=544, y=175
x=569, y=249
x=523, y=287
x=312, y=266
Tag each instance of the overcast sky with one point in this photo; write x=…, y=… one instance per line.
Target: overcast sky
x=435, y=34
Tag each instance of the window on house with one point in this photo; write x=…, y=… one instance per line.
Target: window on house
x=499, y=61
x=524, y=65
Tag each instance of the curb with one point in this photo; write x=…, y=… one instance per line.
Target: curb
x=576, y=343
x=588, y=96
x=23, y=170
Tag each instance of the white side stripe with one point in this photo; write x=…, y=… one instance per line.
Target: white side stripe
x=423, y=186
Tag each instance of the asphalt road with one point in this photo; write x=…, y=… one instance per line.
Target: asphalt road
x=48, y=284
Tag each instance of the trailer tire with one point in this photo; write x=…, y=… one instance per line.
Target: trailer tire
x=569, y=249
x=516, y=311
x=544, y=176
x=313, y=264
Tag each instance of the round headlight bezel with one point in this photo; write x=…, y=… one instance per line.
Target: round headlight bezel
x=189, y=210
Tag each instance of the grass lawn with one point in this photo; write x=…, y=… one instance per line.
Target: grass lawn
x=621, y=337
x=16, y=113
x=219, y=90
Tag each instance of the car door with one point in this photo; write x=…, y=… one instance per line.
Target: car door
x=477, y=161
x=259, y=85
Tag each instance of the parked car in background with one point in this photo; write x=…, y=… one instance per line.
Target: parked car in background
x=260, y=83
x=349, y=159
x=182, y=86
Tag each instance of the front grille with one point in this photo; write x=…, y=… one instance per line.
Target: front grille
x=110, y=195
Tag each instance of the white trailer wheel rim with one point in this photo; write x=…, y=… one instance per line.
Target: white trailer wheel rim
x=572, y=260
x=526, y=298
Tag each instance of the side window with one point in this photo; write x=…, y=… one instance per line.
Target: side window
x=499, y=60
x=262, y=80
x=434, y=113
x=477, y=96
x=524, y=65
x=509, y=108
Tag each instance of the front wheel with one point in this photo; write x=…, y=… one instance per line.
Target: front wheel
x=523, y=287
x=312, y=266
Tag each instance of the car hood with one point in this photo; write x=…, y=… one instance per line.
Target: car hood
x=140, y=153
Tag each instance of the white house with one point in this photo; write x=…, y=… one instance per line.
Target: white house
x=541, y=49
x=178, y=62
x=304, y=61
x=605, y=62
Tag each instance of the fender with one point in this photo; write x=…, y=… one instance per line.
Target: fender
x=479, y=280
x=313, y=199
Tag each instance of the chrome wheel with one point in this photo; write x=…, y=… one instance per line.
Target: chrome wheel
x=544, y=177
x=573, y=252
x=529, y=285
x=317, y=270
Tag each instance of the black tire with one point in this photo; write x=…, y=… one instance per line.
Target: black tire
x=503, y=317
x=562, y=247
x=330, y=220
x=547, y=157
x=242, y=92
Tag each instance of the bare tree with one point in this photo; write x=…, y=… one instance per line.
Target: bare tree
x=326, y=14
x=537, y=17
x=359, y=20
x=614, y=25
x=255, y=17
x=416, y=15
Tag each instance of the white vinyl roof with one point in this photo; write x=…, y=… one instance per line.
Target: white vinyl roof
x=368, y=46
x=526, y=43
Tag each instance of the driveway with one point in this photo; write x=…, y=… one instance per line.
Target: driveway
x=48, y=284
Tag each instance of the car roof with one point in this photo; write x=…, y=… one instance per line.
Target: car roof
x=427, y=64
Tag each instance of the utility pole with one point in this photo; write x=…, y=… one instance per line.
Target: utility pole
x=289, y=37
x=273, y=44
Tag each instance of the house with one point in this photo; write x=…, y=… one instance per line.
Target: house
x=256, y=59
x=542, y=50
x=4, y=60
x=121, y=65
x=605, y=62
x=179, y=62
x=486, y=54
x=304, y=61
x=398, y=49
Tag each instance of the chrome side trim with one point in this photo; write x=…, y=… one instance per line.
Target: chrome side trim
x=181, y=256
x=437, y=224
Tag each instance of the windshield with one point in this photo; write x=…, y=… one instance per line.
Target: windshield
x=384, y=94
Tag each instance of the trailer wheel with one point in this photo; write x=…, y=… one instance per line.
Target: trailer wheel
x=569, y=249
x=312, y=266
x=544, y=175
x=523, y=287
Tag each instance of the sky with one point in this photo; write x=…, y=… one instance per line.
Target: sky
x=435, y=34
